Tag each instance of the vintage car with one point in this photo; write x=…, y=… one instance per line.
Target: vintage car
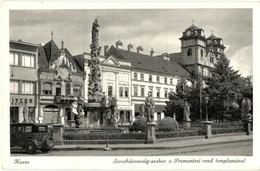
x=31, y=137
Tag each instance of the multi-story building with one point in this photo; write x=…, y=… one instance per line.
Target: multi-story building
x=116, y=82
x=23, y=80
x=149, y=73
x=61, y=83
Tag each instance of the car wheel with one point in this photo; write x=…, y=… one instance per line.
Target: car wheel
x=45, y=150
x=48, y=142
x=30, y=147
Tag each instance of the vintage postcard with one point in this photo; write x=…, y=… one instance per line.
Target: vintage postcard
x=124, y=85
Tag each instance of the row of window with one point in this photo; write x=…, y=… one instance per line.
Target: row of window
x=47, y=89
x=22, y=87
x=151, y=78
x=22, y=59
x=158, y=91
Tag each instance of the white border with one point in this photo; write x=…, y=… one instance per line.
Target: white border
x=103, y=163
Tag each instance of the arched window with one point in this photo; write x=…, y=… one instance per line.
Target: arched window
x=47, y=89
x=189, y=53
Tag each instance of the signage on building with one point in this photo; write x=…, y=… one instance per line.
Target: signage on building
x=19, y=101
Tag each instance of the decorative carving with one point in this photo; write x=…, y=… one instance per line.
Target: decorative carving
x=95, y=90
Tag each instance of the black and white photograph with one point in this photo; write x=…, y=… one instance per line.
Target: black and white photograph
x=142, y=87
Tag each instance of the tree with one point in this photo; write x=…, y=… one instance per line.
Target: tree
x=222, y=87
x=176, y=100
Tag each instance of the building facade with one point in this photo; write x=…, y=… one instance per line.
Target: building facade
x=149, y=74
x=23, y=81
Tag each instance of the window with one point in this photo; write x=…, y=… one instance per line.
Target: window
x=13, y=58
x=211, y=59
x=121, y=91
x=150, y=78
x=189, y=52
x=201, y=54
x=142, y=77
x=14, y=87
x=126, y=91
x=47, y=90
x=165, y=80
x=110, y=90
x=28, y=60
x=76, y=90
x=142, y=91
x=158, y=79
x=58, y=89
x=158, y=92
x=166, y=93
x=67, y=90
x=27, y=87
x=135, y=76
x=135, y=91
x=171, y=81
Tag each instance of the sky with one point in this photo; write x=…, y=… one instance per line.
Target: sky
x=159, y=29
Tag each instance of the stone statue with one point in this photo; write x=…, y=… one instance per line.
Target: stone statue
x=95, y=27
x=149, y=107
x=186, y=111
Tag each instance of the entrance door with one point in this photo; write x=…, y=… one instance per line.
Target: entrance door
x=14, y=114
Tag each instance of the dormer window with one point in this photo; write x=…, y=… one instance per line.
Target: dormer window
x=189, y=52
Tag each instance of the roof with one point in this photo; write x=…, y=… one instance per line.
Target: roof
x=52, y=51
x=176, y=57
x=192, y=27
x=212, y=36
x=23, y=46
x=79, y=59
x=148, y=63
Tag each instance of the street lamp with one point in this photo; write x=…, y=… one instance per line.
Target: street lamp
x=206, y=102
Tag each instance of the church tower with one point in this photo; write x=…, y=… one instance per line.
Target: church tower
x=215, y=44
x=193, y=47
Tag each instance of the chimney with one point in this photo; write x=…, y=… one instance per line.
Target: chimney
x=119, y=44
x=130, y=47
x=139, y=49
x=105, y=49
x=166, y=56
x=151, y=52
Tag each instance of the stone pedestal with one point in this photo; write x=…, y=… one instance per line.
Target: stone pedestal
x=206, y=129
x=150, y=133
x=186, y=124
x=58, y=134
x=249, y=128
x=93, y=114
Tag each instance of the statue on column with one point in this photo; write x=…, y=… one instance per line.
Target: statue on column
x=149, y=107
x=95, y=90
x=186, y=111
